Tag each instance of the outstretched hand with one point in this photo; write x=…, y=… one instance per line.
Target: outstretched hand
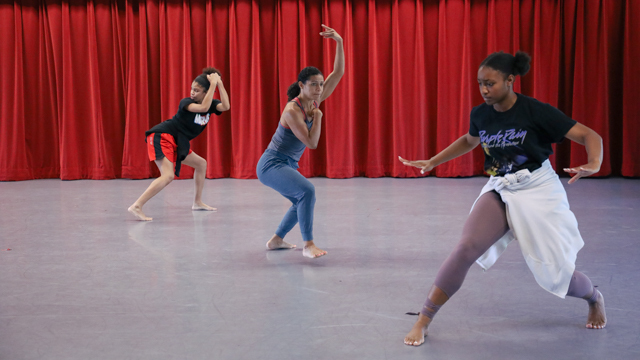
x=329, y=33
x=423, y=165
x=581, y=171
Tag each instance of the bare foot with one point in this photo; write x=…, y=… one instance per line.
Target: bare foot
x=597, y=318
x=202, y=206
x=415, y=337
x=311, y=251
x=277, y=243
x=137, y=212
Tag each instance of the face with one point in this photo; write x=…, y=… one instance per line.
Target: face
x=312, y=89
x=494, y=87
x=197, y=92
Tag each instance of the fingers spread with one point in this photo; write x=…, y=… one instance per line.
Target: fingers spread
x=574, y=179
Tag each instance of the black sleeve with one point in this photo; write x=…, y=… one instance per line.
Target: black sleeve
x=553, y=122
x=212, y=108
x=473, y=122
x=184, y=103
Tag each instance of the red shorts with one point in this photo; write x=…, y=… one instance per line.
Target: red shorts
x=162, y=145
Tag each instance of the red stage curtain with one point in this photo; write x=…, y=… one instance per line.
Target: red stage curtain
x=82, y=80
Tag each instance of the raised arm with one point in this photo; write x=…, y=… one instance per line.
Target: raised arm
x=463, y=145
x=333, y=79
x=593, y=144
x=224, y=98
x=204, y=106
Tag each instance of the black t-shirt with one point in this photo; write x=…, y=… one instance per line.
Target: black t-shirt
x=185, y=122
x=184, y=127
x=519, y=138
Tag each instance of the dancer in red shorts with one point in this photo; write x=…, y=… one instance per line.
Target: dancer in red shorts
x=168, y=142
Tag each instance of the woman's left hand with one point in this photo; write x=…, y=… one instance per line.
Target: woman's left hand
x=582, y=171
x=213, y=79
x=329, y=33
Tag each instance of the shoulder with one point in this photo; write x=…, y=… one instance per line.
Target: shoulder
x=213, y=109
x=291, y=112
x=184, y=103
x=480, y=110
x=530, y=101
x=540, y=108
x=533, y=103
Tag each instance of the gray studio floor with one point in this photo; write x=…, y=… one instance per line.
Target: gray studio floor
x=84, y=280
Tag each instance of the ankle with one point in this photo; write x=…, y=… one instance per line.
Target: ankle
x=423, y=321
x=593, y=298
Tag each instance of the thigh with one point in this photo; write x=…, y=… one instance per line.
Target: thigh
x=486, y=223
x=194, y=160
x=287, y=181
x=165, y=166
x=161, y=145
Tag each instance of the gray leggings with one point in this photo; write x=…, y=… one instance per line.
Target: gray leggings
x=486, y=224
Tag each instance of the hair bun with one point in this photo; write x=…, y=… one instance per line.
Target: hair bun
x=210, y=70
x=521, y=64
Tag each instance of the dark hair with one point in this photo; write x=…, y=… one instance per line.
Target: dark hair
x=305, y=74
x=202, y=78
x=507, y=63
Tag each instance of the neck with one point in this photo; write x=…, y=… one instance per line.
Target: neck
x=306, y=103
x=507, y=103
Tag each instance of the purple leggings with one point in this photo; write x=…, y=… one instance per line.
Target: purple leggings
x=486, y=224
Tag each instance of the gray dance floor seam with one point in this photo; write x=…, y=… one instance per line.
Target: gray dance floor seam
x=81, y=279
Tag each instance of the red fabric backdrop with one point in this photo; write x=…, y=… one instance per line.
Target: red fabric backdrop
x=82, y=80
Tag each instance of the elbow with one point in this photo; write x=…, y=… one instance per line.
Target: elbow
x=591, y=137
x=312, y=146
x=598, y=137
x=226, y=107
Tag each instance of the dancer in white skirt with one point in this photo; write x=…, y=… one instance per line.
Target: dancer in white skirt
x=523, y=199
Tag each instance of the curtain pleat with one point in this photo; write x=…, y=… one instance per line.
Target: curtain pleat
x=83, y=80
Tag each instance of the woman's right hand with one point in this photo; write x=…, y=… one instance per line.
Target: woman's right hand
x=423, y=165
x=213, y=78
x=329, y=33
x=316, y=114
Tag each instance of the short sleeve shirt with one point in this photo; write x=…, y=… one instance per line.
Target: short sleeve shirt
x=519, y=138
x=187, y=123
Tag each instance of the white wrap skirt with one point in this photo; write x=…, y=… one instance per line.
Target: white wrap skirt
x=540, y=220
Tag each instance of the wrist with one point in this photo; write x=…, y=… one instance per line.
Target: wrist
x=594, y=162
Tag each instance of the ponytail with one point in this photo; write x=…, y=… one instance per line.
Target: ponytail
x=293, y=91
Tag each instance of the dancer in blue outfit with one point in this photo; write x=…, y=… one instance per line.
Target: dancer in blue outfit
x=299, y=128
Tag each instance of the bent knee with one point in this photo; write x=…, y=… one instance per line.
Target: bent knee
x=468, y=251
x=309, y=191
x=168, y=177
x=200, y=165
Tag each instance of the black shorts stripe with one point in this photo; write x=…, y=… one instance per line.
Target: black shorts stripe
x=157, y=137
